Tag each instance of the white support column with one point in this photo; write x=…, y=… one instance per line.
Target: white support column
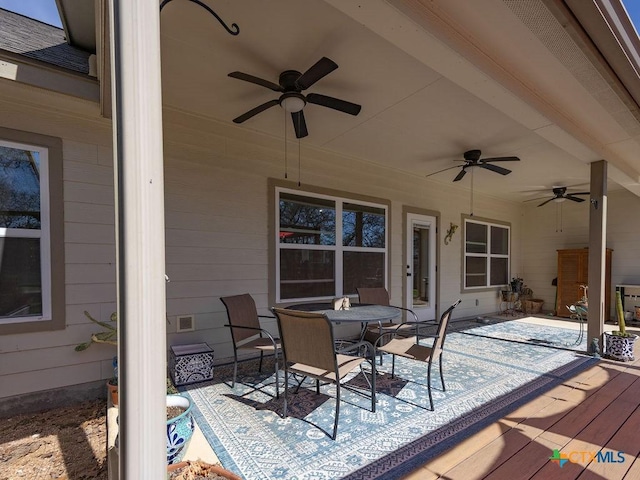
x=137, y=119
x=597, y=251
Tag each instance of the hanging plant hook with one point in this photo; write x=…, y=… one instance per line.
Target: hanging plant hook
x=234, y=30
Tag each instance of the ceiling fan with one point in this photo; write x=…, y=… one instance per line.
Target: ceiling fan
x=560, y=195
x=291, y=84
x=472, y=159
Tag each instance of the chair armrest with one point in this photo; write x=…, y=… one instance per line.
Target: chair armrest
x=260, y=330
x=415, y=317
x=267, y=316
x=393, y=334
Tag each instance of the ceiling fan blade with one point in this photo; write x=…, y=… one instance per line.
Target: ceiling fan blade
x=579, y=193
x=299, y=124
x=537, y=199
x=550, y=200
x=462, y=173
x=443, y=170
x=495, y=168
x=335, y=103
x=255, y=111
x=575, y=199
x=322, y=67
x=500, y=159
x=258, y=81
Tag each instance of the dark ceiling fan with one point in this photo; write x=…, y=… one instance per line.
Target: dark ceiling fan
x=560, y=195
x=291, y=84
x=472, y=159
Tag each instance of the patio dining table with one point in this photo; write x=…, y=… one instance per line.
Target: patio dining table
x=361, y=313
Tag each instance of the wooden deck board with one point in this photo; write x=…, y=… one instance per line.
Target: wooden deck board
x=598, y=409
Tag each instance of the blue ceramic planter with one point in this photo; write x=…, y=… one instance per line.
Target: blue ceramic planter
x=179, y=429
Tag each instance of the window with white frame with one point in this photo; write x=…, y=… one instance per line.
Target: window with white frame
x=25, y=268
x=328, y=246
x=486, y=254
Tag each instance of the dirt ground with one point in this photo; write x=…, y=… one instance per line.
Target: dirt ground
x=65, y=443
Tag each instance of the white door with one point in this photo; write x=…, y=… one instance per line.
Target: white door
x=421, y=265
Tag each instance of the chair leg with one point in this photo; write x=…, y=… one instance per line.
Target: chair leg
x=335, y=423
x=441, y=375
x=235, y=367
x=373, y=384
x=277, y=379
x=286, y=391
x=260, y=366
x=429, y=386
x=393, y=365
x=317, y=386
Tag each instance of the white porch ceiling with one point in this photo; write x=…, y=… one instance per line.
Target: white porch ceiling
x=434, y=78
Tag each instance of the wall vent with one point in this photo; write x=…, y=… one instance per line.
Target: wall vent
x=186, y=323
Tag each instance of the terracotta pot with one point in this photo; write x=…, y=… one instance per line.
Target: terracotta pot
x=218, y=469
x=113, y=391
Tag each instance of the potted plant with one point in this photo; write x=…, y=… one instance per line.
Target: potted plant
x=180, y=423
x=180, y=426
x=110, y=337
x=530, y=305
x=618, y=344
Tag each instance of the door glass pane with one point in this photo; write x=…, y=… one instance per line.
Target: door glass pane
x=19, y=188
x=420, y=265
x=306, y=220
x=20, y=279
x=362, y=269
x=476, y=272
x=499, y=240
x=307, y=273
x=476, y=238
x=363, y=226
x=499, y=271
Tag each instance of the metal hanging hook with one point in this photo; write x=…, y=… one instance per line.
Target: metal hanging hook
x=234, y=30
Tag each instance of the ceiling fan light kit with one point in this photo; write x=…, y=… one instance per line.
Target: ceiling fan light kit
x=292, y=102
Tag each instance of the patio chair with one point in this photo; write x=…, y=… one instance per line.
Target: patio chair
x=247, y=334
x=308, y=350
x=410, y=347
x=380, y=296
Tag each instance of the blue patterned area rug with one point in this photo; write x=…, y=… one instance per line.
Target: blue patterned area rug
x=486, y=378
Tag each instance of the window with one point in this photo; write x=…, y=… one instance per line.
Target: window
x=27, y=289
x=486, y=254
x=328, y=246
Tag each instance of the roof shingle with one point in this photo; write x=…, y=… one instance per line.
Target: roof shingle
x=40, y=41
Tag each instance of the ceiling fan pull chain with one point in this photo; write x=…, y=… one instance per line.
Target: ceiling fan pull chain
x=299, y=184
x=471, y=214
x=285, y=145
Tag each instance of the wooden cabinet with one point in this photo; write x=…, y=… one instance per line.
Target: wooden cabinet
x=573, y=271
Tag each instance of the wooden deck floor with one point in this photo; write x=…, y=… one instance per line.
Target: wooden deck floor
x=597, y=410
